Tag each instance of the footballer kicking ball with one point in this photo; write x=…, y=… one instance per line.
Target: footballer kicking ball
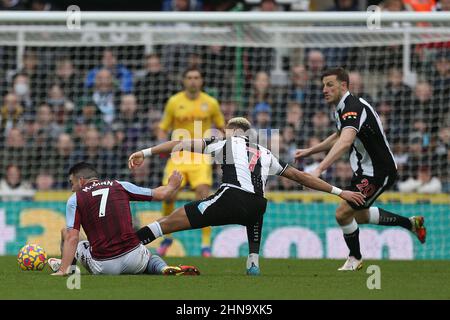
x=32, y=258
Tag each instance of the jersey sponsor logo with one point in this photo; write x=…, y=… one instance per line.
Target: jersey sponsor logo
x=349, y=115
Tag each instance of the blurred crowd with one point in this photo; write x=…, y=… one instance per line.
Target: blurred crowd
x=100, y=104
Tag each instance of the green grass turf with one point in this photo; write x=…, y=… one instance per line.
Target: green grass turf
x=225, y=279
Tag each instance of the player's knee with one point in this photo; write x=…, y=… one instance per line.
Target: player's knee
x=63, y=233
x=343, y=214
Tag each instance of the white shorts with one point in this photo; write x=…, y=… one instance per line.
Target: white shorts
x=132, y=262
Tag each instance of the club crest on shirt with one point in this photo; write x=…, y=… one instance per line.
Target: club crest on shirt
x=349, y=115
x=204, y=107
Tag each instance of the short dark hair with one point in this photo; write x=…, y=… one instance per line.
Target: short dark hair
x=340, y=73
x=83, y=170
x=192, y=69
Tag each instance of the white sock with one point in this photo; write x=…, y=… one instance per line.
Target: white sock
x=156, y=229
x=350, y=228
x=374, y=215
x=253, y=258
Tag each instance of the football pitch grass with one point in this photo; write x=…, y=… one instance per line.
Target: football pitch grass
x=225, y=279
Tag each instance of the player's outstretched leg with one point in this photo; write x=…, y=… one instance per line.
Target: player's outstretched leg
x=177, y=221
x=254, y=234
x=415, y=224
x=156, y=265
x=345, y=218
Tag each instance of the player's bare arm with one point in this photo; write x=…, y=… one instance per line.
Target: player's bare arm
x=166, y=192
x=318, y=184
x=69, y=249
x=341, y=146
x=324, y=146
x=137, y=158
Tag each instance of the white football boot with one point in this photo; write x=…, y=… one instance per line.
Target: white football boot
x=54, y=264
x=352, y=264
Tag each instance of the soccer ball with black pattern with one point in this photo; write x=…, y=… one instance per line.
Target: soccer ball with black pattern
x=32, y=258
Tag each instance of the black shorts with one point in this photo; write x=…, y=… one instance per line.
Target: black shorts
x=227, y=206
x=370, y=187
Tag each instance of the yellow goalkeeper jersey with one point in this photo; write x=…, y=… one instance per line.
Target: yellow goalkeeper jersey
x=190, y=119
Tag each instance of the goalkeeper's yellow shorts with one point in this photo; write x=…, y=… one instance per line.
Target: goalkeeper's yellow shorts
x=195, y=174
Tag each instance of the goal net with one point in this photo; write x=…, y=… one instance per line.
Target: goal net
x=94, y=90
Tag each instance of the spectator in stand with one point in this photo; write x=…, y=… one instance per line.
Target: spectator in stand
x=345, y=5
x=295, y=119
x=104, y=96
x=311, y=163
x=229, y=109
x=315, y=66
x=62, y=106
x=442, y=157
x=44, y=181
x=21, y=88
x=440, y=80
x=425, y=108
x=60, y=162
x=395, y=102
x=41, y=5
x=218, y=68
x=443, y=5
x=112, y=160
x=13, y=5
x=298, y=89
x=48, y=129
x=261, y=92
x=118, y=72
x=12, y=187
x=321, y=125
x=153, y=89
x=128, y=126
x=17, y=152
x=424, y=182
x=182, y=5
x=68, y=78
x=342, y=174
x=416, y=156
x=356, y=86
x=262, y=116
x=34, y=69
x=89, y=151
x=11, y=114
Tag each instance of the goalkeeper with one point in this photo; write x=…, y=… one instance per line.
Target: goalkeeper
x=189, y=114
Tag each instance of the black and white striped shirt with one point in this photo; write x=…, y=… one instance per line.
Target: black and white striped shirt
x=245, y=165
x=370, y=154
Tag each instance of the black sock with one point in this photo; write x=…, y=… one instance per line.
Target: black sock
x=352, y=241
x=254, y=236
x=145, y=235
x=391, y=219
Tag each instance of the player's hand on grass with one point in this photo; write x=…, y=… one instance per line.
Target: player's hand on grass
x=302, y=153
x=175, y=179
x=135, y=160
x=354, y=197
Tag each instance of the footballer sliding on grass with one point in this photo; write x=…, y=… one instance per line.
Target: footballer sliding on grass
x=102, y=208
x=240, y=199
